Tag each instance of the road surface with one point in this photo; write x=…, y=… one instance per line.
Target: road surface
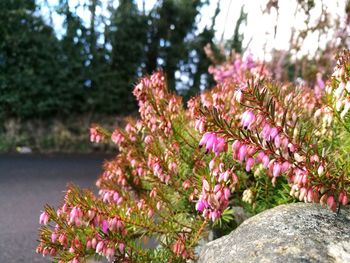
x=27, y=183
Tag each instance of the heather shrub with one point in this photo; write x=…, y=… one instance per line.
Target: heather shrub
x=249, y=142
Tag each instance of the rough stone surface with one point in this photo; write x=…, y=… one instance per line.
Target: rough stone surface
x=288, y=233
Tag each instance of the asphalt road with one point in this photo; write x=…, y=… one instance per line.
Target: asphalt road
x=27, y=183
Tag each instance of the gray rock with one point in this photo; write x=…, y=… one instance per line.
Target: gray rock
x=288, y=233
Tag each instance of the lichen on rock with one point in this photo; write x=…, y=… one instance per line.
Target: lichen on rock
x=287, y=233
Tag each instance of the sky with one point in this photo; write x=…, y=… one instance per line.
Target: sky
x=259, y=30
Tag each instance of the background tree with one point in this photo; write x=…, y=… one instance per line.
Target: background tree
x=29, y=62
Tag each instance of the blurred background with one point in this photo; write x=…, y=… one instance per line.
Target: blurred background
x=65, y=64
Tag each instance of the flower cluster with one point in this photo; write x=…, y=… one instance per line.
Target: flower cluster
x=278, y=129
x=247, y=142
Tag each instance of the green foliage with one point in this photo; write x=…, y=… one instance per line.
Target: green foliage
x=92, y=65
x=28, y=62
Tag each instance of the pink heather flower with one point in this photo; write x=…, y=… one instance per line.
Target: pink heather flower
x=113, y=224
x=93, y=243
x=104, y=226
x=212, y=164
x=199, y=125
x=242, y=152
x=99, y=247
x=331, y=203
x=277, y=141
x=217, y=188
x=179, y=247
x=211, y=142
x=276, y=171
x=88, y=244
x=44, y=218
x=153, y=193
x=62, y=239
x=224, y=176
x=249, y=164
x=251, y=151
x=219, y=146
x=148, y=139
x=205, y=187
x=53, y=237
x=150, y=213
x=343, y=198
x=110, y=253
x=273, y=133
x=95, y=135
x=266, y=161
x=121, y=247
x=205, y=139
x=302, y=194
x=247, y=119
x=186, y=184
x=117, y=137
x=266, y=132
x=200, y=206
x=75, y=215
x=236, y=145
x=214, y=215
x=291, y=147
x=115, y=196
x=259, y=157
x=285, y=166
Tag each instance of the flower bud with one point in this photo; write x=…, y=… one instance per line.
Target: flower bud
x=331, y=203
x=323, y=199
x=320, y=170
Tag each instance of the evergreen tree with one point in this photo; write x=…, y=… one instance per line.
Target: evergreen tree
x=29, y=62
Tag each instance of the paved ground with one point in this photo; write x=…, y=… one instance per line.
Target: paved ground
x=27, y=183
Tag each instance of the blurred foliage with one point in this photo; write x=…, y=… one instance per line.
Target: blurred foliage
x=93, y=65
x=65, y=135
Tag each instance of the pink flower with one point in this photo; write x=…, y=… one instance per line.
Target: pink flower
x=104, y=226
x=242, y=152
x=200, y=206
x=266, y=132
x=205, y=187
x=273, y=133
x=44, y=218
x=219, y=146
x=110, y=253
x=343, y=198
x=121, y=247
x=236, y=145
x=276, y=171
x=277, y=141
x=100, y=247
x=199, y=125
x=53, y=237
x=205, y=138
x=331, y=203
x=266, y=161
x=249, y=164
x=247, y=119
x=285, y=166
x=117, y=137
x=95, y=135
